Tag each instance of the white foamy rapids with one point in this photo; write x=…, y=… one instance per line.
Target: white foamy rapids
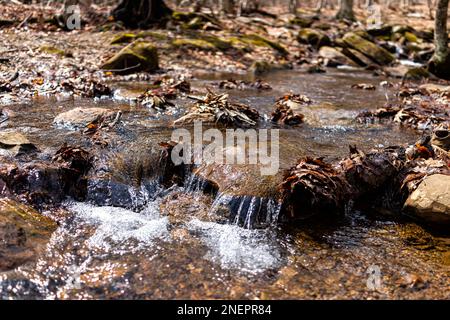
x=116, y=227
x=233, y=247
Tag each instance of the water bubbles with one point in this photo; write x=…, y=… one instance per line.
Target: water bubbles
x=115, y=227
x=233, y=247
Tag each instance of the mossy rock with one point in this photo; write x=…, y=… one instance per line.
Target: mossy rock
x=135, y=57
x=152, y=34
x=416, y=74
x=262, y=67
x=357, y=56
x=193, y=44
x=411, y=37
x=54, y=50
x=259, y=41
x=368, y=48
x=124, y=38
x=363, y=34
x=304, y=22
x=221, y=44
x=313, y=37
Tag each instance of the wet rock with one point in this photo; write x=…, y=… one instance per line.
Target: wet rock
x=181, y=207
x=334, y=57
x=126, y=178
x=313, y=186
x=430, y=201
x=137, y=56
x=244, y=196
x=368, y=48
x=262, y=67
x=313, y=37
x=14, y=144
x=24, y=233
x=79, y=118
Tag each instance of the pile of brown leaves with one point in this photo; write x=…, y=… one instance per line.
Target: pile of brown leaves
x=216, y=108
x=232, y=84
x=73, y=158
x=313, y=186
x=286, y=107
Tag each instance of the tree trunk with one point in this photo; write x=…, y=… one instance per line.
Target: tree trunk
x=141, y=13
x=226, y=6
x=346, y=11
x=293, y=4
x=439, y=64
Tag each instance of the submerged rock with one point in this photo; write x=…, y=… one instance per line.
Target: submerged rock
x=14, y=143
x=79, y=118
x=431, y=200
x=24, y=234
x=368, y=48
x=262, y=67
x=137, y=56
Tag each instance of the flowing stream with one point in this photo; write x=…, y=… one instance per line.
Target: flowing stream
x=175, y=244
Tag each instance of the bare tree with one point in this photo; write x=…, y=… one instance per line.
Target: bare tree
x=346, y=10
x=440, y=62
x=293, y=5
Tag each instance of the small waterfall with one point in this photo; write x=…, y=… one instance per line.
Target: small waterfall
x=196, y=184
x=248, y=211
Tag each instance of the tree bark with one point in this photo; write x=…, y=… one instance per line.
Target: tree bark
x=141, y=13
x=439, y=64
x=346, y=11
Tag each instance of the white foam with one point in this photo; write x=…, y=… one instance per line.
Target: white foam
x=234, y=247
x=116, y=226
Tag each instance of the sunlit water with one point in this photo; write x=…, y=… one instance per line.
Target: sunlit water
x=111, y=252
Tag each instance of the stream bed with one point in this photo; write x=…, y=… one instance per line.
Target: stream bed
x=111, y=252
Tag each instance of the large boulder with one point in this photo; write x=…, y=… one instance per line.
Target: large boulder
x=368, y=48
x=135, y=57
x=431, y=201
x=24, y=234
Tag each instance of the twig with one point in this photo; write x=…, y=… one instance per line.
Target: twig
x=24, y=21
